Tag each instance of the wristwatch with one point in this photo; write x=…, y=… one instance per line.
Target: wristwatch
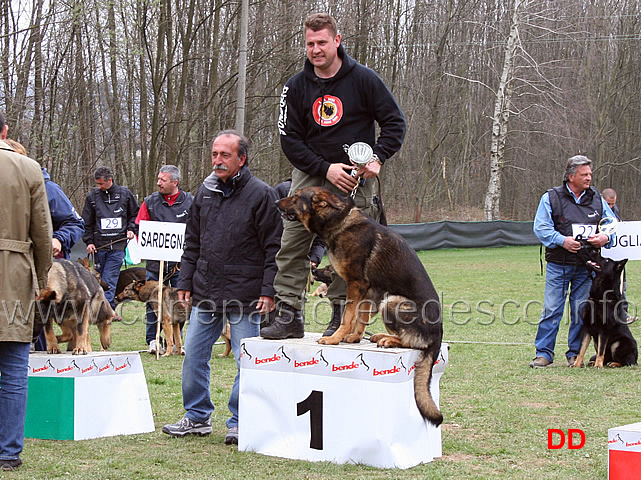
x=376, y=159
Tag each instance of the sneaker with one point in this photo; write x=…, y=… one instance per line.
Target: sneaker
x=186, y=426
x=10, y=465
x=572, y=361
x=153, y=348
x=182, y=350
x=540, y=362
x=232, y=436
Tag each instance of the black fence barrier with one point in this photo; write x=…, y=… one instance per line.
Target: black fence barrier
x=444, y=234
x=448, y=234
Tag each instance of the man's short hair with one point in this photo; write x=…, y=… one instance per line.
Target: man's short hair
x=574, y=163
x=172, y=170
x=609, y=194
x=319, y=21
x=243, y=143
x=103, y=172
x=3, y=122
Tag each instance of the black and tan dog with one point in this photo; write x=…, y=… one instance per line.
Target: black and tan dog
x=174, y=312
x=74, y=299
x=604, y=319
x=323, y=275
x=382, y=272
x=125, y=277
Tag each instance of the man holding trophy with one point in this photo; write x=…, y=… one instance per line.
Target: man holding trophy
x=334, y=102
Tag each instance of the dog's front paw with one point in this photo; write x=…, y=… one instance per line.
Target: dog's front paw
x=376, y=338
x=329, y=340
x=55, y=350
x=79, y=351
x=353, y=338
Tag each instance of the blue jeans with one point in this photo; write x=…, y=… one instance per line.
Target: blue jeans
x=204, y=329
x=557, y=280
x=108, y=263
x=14, y=376
x=150, y=319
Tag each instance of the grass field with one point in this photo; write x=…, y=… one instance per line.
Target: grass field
x=497, y=410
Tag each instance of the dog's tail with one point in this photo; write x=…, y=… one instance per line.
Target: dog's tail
x=422, y=395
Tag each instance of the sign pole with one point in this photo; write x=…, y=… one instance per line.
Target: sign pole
x=161, y=275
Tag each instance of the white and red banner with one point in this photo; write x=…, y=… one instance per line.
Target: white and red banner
x=347, y=403
x=624, y=452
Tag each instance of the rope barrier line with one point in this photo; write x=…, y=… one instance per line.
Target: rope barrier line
x=486, y=343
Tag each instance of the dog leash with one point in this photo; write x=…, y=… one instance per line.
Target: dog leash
x=91, y=256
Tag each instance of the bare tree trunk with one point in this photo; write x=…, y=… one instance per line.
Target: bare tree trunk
x=114, y=97
x=242, y=67
x=500, y=120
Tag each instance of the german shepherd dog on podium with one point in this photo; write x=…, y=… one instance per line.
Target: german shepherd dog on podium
x=382, y=273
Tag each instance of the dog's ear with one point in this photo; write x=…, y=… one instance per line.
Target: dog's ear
x=47, y=294
x=324, y=198
x=138, y=284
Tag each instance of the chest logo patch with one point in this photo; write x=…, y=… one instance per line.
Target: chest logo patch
x=327, y=110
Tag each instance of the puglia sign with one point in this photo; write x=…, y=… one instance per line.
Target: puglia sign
x=161, y=240
x=626, y=244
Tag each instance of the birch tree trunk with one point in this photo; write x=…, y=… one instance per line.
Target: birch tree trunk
x=500, y=120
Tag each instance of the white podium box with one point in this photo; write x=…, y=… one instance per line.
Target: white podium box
x=77, y=397
x=347, y=403
x=624, y=452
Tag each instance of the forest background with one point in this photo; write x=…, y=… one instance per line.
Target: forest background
x=497, y=94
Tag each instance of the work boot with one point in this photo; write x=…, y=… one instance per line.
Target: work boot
x=288, y=323
x=335, y=322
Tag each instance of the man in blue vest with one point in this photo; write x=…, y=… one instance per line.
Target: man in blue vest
x=109, y=213
x=575, y=202
x=169, y=204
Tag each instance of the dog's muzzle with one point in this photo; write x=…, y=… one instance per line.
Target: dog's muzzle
x=288, y=216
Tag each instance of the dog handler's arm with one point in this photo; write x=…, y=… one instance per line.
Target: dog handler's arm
x=370, y=170
x=571, y=245
x=184, y=296
x=599, y=239
x=340, y=178
x=264, y=305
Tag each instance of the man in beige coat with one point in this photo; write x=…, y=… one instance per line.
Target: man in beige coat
x=25, y=258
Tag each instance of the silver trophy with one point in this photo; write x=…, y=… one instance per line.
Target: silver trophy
x=359, y=153
x=608, y=225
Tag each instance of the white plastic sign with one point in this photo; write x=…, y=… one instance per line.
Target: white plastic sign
x=344, y=403
x=161, y=240
x=627, y=241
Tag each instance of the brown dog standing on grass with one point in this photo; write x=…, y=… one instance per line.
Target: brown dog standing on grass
x=73, y=299
x=382, y=273
x=174, y=311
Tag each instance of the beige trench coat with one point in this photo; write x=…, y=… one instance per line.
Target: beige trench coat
x=25, y=242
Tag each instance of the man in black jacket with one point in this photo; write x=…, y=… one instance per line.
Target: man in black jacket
x=110, y=219
x=227, y=270
x=333, y=102
x=169, y=204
